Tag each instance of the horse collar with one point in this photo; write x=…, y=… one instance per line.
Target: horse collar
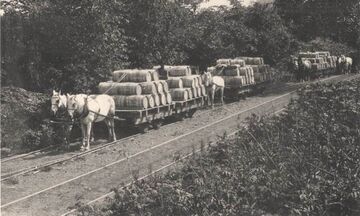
x=85, y=112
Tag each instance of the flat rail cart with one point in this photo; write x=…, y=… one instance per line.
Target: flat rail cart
x=241, y=91
x=144, y=119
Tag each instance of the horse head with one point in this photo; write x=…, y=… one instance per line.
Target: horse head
x=207, y=78
x=58, y=101
x=55, y=101
x=76, y=104
x=72, y=104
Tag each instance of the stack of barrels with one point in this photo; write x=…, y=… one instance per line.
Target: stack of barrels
x=320, y=60
x=136, y=89
x=242, y=71
x=260, y=69
x=183, y=85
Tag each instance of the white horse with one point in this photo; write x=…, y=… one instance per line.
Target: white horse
x=304, y=69
x=344, y=64
x=213, y=84
x=58, y=108
x=58, y=101
x=90, y=109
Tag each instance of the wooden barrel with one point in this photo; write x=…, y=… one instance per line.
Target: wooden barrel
x=189, y=82
x=120, y=100
x=199, y=91
x=175, y=83
x=179, y=71
x=117, y=75
x=323, y=53
x=194, y=92
x=168, y=97
x=258, y=77
x=240, y=62
x=179, y=94
x=163, y=100
x=223, y=61
x=148, y=88
x=255, y=68
x=137, y=101
x=128, y=88
x=156, y=99
x=120, y=88
x=132, y=76
x=154, y=75
x=231, y=71
x=165, y=85
x=235, y=80
x=159, y=87
x=190, y=94
x=107, y=88
x=242, y=71
x=203, y=90
x=262, y=68
x=308, y=55
x=251, y=75
x=151, y=101
x=200, y=80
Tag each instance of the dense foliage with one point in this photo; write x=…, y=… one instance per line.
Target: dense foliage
x=72, y=45
x=303, y=162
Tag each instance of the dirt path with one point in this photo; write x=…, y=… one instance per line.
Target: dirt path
x=53, y=191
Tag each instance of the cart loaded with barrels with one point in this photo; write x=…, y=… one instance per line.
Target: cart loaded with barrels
x=144, y=101
x=242, y=75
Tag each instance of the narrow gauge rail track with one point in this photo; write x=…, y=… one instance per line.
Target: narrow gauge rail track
x=48, y=163
x=121, y=175
x=102, y=197
x=6, y=159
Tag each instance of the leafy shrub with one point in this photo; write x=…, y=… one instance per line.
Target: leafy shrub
x=39, y=137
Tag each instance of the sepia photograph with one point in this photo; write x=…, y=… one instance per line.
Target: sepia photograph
x=180, y=107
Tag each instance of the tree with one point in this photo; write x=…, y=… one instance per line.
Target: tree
x=156, y=32
x=66, y=44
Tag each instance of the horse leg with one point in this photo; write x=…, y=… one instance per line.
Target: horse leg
x=208, y=98
x=92, y=137
x=212, y=98
x=83, y=132
x=112, y=124
x=88, y=133
x=108, y=125
x=67, y=136
x=222, y=95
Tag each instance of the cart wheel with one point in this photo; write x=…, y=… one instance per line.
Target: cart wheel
x=144, y=128
x=242, y=97
x=157, y=124
x=190, y=114
x=181, y=117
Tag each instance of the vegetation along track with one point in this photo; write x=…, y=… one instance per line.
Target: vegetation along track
x=51, y=192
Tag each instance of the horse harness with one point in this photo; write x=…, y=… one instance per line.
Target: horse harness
x=86, y=111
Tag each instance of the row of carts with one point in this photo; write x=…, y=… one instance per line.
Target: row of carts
x=145, y=98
